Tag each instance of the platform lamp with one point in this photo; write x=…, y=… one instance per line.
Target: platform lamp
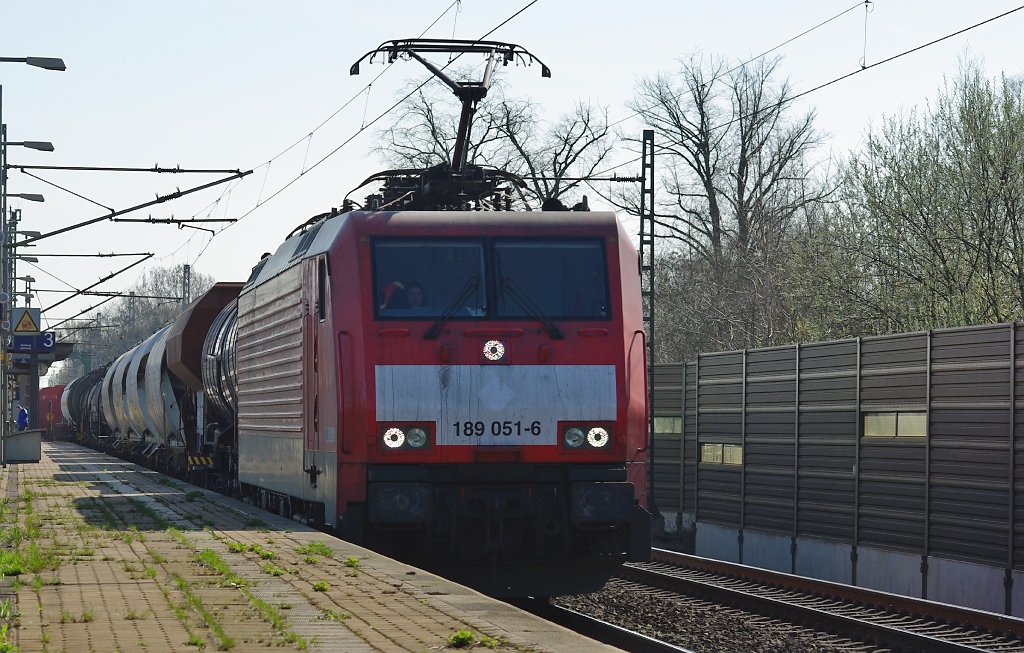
x=46, y=63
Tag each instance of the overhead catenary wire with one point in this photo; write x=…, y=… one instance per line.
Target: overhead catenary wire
x=308, y=138
x=838, y=79
x=770, y=50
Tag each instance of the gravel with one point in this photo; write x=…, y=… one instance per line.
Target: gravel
x=700, y=625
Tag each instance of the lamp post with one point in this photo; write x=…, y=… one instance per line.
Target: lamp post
x=48, y=63
x=6, y=258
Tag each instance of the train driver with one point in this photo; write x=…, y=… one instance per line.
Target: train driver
x=416, y=295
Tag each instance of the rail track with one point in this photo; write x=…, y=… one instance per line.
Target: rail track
x=597, y=629
x=876, y=618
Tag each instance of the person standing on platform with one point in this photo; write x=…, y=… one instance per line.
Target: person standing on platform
x=22, y=418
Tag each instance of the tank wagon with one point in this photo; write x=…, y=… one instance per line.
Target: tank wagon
x=434, y=376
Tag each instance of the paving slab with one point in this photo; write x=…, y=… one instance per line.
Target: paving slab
x=116, y=557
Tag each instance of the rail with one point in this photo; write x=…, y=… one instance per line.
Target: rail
x=892, y=620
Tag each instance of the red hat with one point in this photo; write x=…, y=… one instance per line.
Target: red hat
x=391, y=288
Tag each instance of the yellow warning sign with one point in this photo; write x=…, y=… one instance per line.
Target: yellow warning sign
x=26, y=320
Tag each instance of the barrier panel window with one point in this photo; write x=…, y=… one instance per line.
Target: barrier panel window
x=721, y=454
x=668, y=424
x=904, y=424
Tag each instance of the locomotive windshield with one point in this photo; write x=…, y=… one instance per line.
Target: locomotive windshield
x=424, y=278
x=562, y=278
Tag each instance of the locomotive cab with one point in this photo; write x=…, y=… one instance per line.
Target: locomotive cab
x=508, y=397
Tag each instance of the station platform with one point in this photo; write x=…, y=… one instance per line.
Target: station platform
x=99, y=554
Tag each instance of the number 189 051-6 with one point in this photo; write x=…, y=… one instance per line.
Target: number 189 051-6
x=496, y=429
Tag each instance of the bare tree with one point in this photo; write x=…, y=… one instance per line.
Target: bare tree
x=149, y=305
x=736, y=183
x=507, y=134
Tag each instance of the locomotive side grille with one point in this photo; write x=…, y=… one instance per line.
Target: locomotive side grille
x=269, y=357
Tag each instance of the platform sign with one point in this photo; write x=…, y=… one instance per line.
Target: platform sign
x=25, y=320
x=44, y=342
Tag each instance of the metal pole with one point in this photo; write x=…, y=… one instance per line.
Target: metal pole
x=5, y=403
x=928, y=466
x=1011, y=490
x=796, y=460
x=743, y=458
x=857, y=432
x=33, y=389
x=647, y=293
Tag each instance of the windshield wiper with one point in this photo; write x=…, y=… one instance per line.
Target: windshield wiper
x=532, y=310
x=450, y=309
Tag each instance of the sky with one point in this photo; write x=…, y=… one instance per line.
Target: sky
x=263, y=85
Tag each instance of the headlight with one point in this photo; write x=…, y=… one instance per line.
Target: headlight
x=574, y=437
x=597, y=437
x=581, y=436
x=406, y=437
x=417, y=437
x=394, y=438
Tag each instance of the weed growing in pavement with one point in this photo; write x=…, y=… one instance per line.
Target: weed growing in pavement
x=255, y=522
x=110, y=522
x=317, y=547
x=237, y=547
x=12, y=563
x=223, y=641
x=493, y=643
x=146, y=510
x=133, y=615
x=176, y=534
x=331, y=615
x=273, y=569
x=320, y=586
x=6, y=645
x=163, y=480
x=461, y=639
x=352, y=562
x=276, y=619
x=214, y=534
x=193, y=495
x=212, y=559
x=293, y=638
x=86, y=617
x=37, y=560
x=310, y=560
x=156, y=556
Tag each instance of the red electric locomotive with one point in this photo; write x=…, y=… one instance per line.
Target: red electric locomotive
x=455, y=387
